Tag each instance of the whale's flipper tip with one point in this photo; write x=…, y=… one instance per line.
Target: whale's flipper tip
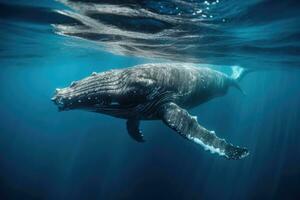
x=235, y=153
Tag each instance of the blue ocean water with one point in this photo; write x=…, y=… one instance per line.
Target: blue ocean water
x=46, y=154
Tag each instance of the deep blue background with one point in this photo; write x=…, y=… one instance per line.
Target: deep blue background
x=46, y=154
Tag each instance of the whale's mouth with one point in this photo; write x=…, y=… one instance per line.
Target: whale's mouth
x=58, y=101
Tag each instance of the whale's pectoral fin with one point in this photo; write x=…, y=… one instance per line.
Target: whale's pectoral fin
x=187, y=126
x=134, y=131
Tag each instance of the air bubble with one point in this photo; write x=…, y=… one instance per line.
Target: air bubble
x=206, y=3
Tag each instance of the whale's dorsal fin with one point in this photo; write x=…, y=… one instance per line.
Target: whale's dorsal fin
x=187, y=126
x=134, y=131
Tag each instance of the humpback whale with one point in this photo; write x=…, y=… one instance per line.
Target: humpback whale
x=160, y=91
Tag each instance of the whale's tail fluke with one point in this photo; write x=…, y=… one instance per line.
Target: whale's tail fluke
x=238, y=73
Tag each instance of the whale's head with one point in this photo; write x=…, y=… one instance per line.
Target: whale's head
x=79, y=95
